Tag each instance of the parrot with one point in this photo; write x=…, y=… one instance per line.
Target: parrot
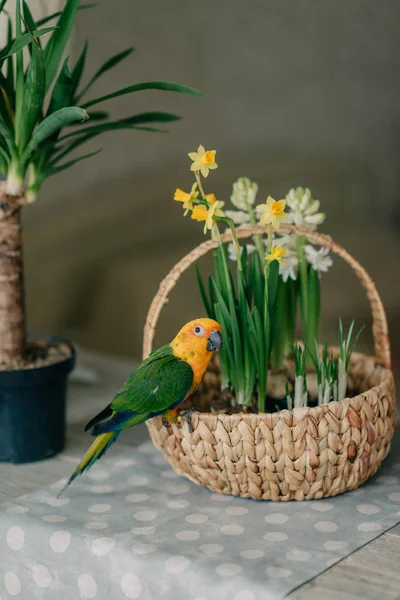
x=160, y=384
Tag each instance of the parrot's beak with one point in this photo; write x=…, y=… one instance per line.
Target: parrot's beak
x=214, y=341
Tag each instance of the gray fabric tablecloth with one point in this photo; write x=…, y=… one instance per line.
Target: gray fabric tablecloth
x=132, y=529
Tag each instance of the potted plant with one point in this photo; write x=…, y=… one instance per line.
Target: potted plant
x=42, y=107
x=330, y=424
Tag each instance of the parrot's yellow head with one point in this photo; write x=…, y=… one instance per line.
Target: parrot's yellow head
x=196, y=342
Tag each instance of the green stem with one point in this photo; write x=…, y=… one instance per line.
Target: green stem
x=303, y=273
x=234, y=240
x=198, y=179
x=257, y=238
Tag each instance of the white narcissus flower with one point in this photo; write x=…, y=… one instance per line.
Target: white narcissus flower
x=239, y=217
x=303, y=209
x=320, y=260
x=289, y=268
x=232, y=253
x=244, y=193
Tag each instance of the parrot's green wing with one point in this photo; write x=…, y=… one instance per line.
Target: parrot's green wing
x=160, y=383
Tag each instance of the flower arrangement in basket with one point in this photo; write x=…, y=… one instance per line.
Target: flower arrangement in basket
x=277, y=419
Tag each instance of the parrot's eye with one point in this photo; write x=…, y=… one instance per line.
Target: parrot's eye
x=198, y=330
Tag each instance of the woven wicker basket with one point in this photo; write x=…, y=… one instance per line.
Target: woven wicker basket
x=304, y=454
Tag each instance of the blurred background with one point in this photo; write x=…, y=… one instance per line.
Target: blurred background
x=296, y=93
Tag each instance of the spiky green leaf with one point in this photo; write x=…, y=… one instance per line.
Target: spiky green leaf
x=56, y=45
x=109, y=64
x=167, y=86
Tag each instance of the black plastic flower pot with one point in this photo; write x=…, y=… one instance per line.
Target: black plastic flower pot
x=33, y=409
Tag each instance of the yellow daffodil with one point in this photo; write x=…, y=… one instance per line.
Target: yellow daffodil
x=277, y=253
x=272, y=212
x=203, y=160
x=186, y=198
x=201, y=213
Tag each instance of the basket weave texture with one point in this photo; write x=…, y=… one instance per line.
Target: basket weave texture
x=304, y=454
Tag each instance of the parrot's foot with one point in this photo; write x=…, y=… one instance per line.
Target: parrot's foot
x=165, y=422
x=187, y=417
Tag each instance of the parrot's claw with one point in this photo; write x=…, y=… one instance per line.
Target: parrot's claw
x=165, y=422
x=187, y=417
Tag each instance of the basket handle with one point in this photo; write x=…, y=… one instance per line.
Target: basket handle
x=379, y=321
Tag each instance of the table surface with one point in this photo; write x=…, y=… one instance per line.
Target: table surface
x=369, y=573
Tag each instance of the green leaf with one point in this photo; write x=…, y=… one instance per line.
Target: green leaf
x=54, y=15
x=2, y=4
x=34, y=86
x=67, y=165
x=56, y=45
x=203, y=294
x=7, y=139
x=29, y=21
x=10, y=68
x=148, y=85
x=127, y=123
x=109, y=64
x=62, y=91
x=61, y=118
x=78, y=70
x=18, y=44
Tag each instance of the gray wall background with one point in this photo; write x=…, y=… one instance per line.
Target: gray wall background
x=297, y=93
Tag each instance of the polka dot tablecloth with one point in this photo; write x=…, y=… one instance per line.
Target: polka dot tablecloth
x=133, y=529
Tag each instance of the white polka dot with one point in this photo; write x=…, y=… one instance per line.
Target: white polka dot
x=56, y=502
x=125, y=462
x=368, y=509
x=394, y=496
x=387, y=479
x=147, y=448
x=221, y=498
x=54, y=518
x=131, y=586
x=87, y=585
x=275, y=536
x=178, y=488
x=298, y=555
x=331, y=562
x=138, y=497
x=228, y=569
x=211, y=548
x=144, y=530
x=99, y=508
x=138, y=480
x=101, y=489
x=143, y=548
x=278, y=573
x=196, y=518
x=158, y=460
x=276, y=518
x=168, y=474
x=145, y=515
x=321, y=505
x=369, y=527
x=244, y=595
x=60, y=540
x=176, y=564
x=252, y=554
x=12, y=583
x=98, y=474
x=58, y=485
x=326, y=526
x=178, y=504
x=102, y=545
x=187, y=535
x=41, y=576
x=17, y=510
x=335, y=545
x=96, y=525
x=232, y=529
x=236, y=510
x=15, y=538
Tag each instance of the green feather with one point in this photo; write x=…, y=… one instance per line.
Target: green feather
x=161, y=382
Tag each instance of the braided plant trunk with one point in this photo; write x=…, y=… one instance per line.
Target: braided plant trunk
x=12, y=298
